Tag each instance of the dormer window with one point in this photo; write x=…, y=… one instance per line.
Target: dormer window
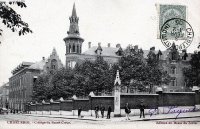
x=173, y=70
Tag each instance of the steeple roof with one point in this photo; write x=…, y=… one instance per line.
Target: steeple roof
x=54, y=51
x=74, y=11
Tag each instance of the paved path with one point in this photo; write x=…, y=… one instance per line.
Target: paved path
x=173, y=116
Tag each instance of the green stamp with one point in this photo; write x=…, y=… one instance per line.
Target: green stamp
x=167, y=12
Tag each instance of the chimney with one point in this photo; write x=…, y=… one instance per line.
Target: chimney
x=108, y=44
x=118, y=45
x=89, y=44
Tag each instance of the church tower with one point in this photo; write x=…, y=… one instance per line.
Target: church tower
x=73, y=41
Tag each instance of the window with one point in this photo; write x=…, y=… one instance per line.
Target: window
x=54, y=64
x=173, y=70
x=174, y=82
x=71, y=64
x=73, y=50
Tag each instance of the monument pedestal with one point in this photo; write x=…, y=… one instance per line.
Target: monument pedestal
x=117, y=111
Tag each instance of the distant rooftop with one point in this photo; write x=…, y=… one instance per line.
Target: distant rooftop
x=106, y=51
x=21, y=66
x=38, y=65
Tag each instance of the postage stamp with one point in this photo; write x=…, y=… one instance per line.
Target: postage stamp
x=167, y=12
x=176, y=31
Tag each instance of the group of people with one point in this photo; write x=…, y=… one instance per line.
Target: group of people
x=97, y=109
x=128, y=110
x=102, y=109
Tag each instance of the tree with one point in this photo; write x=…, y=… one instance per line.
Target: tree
x=95, y=76
x=138, y=72
x=41, y=88
x=132, y=69
x=12, y=19
x=61, y=84
x=155, y=72
x=192, y=73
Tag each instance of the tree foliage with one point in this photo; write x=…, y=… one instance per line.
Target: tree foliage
x=41, y=88
x=138, y=72
x=61, y=84
x=192, y=73
x=95, y=76
x=12, y=19
x=98, y=76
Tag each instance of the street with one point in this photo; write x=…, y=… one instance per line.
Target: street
x=20, y=121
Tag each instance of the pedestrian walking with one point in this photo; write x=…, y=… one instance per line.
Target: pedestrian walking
x=127, y=111
x=79, y=112
x=102, y=111
x=109, y=111
x=97, y=111
x=142, y=107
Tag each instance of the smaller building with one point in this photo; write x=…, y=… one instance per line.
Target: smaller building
x=21, y=83
x=4, y=95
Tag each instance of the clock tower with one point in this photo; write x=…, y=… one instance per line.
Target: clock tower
x=73, y=41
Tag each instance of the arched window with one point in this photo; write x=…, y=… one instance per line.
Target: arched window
x=54, y=64
x=70, y=48
x=73, y=48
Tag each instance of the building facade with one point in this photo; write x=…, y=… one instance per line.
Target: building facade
x=171, y=59
x=4, y=95
x=21, y=85
x=23, y=78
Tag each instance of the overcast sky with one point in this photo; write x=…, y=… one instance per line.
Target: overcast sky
x=106, y=21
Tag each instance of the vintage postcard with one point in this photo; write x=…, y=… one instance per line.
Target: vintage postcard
x=93, y=64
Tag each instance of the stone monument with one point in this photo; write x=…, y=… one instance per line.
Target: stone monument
x=117, y=92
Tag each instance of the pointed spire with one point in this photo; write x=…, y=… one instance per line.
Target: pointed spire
x=74, y=11
x=54, y=51
x=117, y=79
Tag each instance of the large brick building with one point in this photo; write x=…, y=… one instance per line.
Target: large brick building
x=24, y=76
x=171, y=59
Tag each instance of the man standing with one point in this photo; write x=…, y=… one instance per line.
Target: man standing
x=109, y=111
x=79, y=112
x=97, y=111
x=127, y=111
x=142, y=107
x=102, y=110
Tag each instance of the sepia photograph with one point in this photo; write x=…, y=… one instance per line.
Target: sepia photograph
x=99, y=64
